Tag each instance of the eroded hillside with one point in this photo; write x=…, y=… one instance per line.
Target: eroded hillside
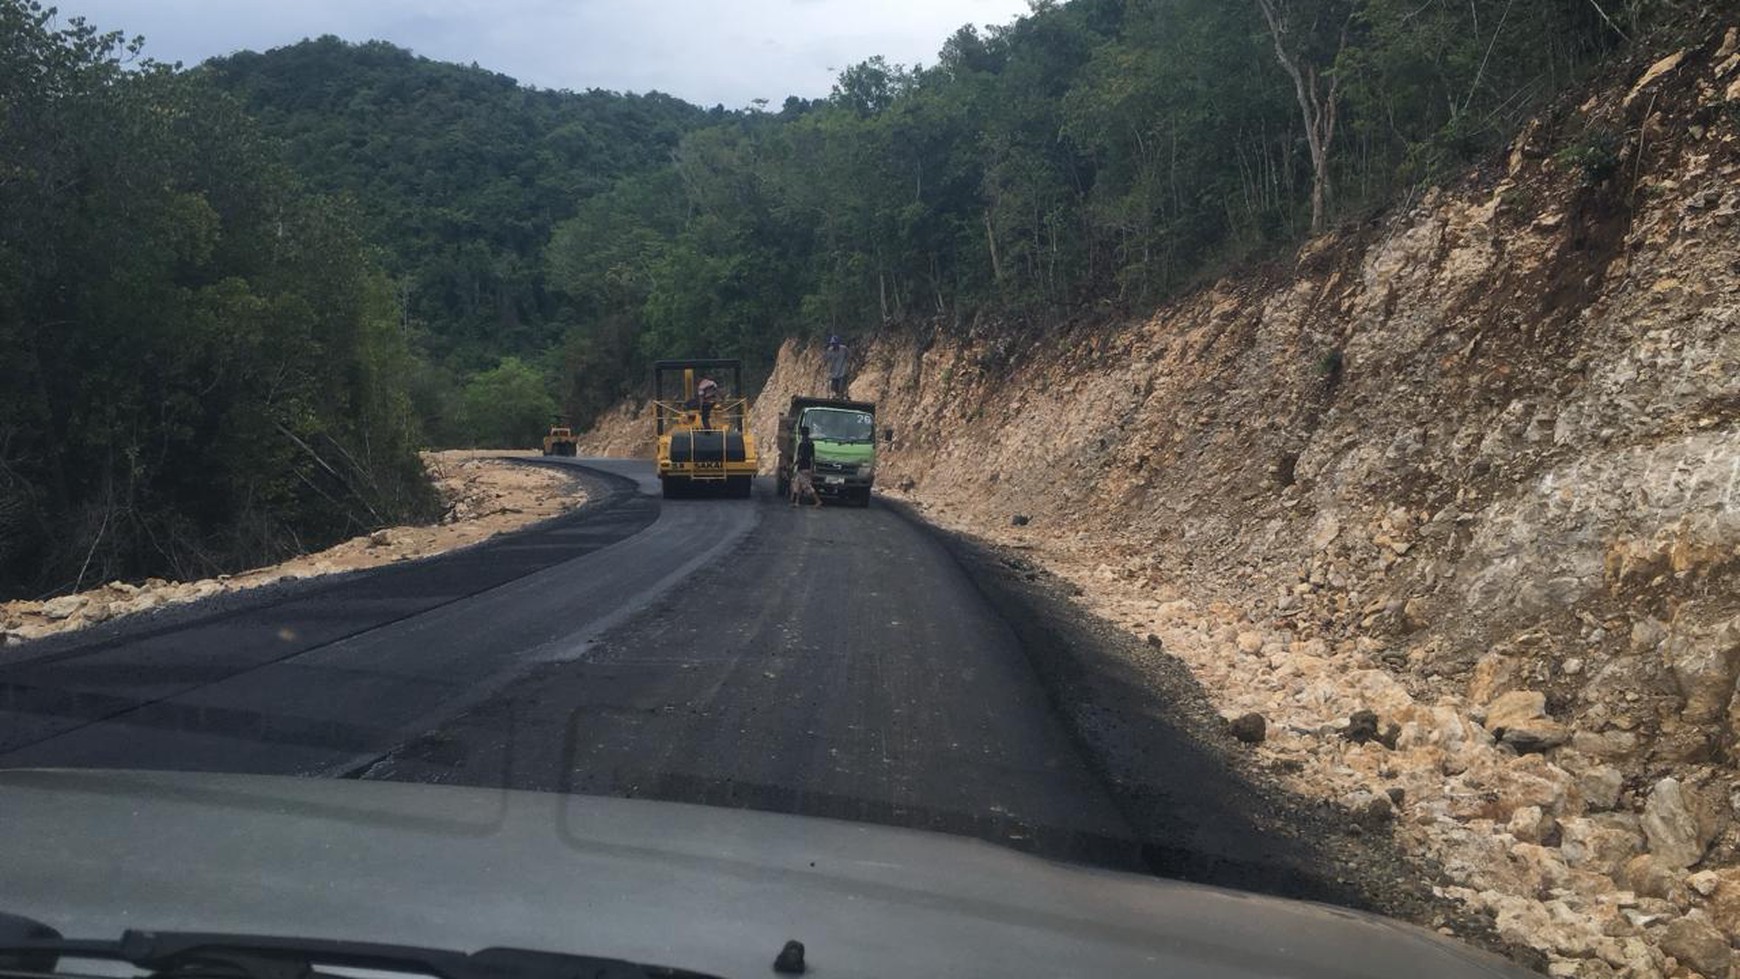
x=1473, y=469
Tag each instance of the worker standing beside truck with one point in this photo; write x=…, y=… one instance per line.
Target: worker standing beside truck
x=803, y=480
x=836, y=357
x=834, y=440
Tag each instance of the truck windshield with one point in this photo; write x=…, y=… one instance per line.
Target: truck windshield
x=835, y=425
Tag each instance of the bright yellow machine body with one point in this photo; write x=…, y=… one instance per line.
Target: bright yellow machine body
x=704, y=443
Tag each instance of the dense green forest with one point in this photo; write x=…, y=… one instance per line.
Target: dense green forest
x=235, y=298
x=202, y=365
x=1096, y=153
x=459, y=175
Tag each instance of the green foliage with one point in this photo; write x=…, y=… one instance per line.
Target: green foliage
x=205, y=362
x=1331, y=365
x=460, y=175
x=508, y=407
x=1093, y=149
x=1594, y=154
x=1096, y=148
x=203, y=367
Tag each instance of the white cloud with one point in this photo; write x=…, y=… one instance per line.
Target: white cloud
x=706, y=51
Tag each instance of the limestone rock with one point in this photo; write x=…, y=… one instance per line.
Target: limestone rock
x=1655, y=72
x=64, y=607
x=1519, y=719
x=1705, y=663
x=1601, y=843
x=1724, y=901
x=1608, y=744
x=1249, y=728
x=1530, y=824
x=1671, y=824
x=1599, y=785
x=1698, y=944
x=1373, y=813
x=1493, y=674
x=1650, y=876
x=1530, y=780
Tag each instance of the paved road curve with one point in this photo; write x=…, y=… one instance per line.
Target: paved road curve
x=837, y=662
x=833, y=661
x=326, y=676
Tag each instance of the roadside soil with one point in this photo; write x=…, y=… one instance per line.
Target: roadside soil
x=486, y=492
x=1157, y=738
x=1440, y=516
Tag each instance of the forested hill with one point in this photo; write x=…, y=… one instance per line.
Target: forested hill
x=1095, y=155
x=459, y=175
x=203, y=368
x=234, y=299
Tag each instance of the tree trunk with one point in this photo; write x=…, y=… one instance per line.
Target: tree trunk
x=991, y=240
x=1318, y=108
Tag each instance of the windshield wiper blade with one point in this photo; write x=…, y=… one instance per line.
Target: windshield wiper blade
x=30, y=946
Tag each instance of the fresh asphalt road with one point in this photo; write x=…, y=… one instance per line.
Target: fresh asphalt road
x=323, y=676
x=834, y=661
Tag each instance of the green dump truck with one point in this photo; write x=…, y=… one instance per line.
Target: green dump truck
x=845, y=436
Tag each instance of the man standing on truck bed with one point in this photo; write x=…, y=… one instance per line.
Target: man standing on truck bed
x=836, y=357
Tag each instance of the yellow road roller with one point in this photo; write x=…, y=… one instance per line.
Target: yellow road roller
x=561, y=441
x=702, y=416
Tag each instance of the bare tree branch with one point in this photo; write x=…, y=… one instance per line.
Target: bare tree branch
x=1616, y=29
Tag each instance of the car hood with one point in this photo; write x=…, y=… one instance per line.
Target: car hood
x=714, y=890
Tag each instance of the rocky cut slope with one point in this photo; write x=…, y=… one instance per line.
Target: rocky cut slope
x=1473, y=469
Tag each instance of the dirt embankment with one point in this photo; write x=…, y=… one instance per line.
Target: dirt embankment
x=1449, y=503
x=484, y=495
x=626, y=432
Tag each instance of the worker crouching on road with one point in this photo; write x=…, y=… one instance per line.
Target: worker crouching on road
x=803, y=477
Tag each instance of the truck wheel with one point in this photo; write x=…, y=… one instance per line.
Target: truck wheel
x=673, y=487
x=863, y=497
x=739, y=487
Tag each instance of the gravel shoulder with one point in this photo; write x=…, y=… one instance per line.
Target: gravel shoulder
x=1208, y=808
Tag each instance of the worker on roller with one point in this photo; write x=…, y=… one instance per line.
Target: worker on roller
x=706, y=396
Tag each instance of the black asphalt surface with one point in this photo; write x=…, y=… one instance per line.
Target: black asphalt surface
x=839, y=662
x=332, y=675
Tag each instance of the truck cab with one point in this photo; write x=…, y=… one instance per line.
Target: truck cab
x=844, y=433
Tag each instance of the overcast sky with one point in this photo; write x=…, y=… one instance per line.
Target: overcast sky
x=705, y=51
